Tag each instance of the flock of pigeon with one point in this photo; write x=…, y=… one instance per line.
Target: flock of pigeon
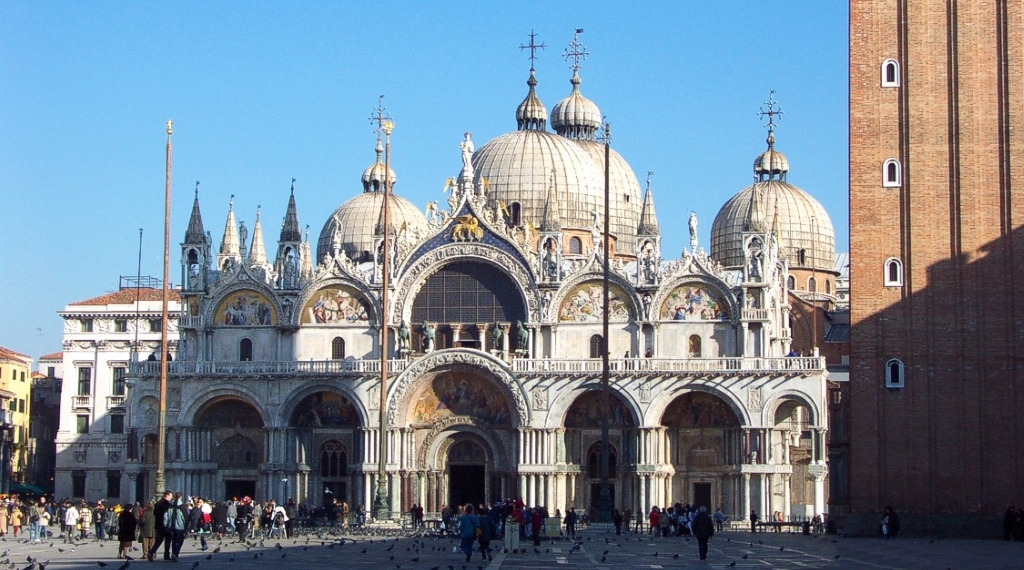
x=381, y=545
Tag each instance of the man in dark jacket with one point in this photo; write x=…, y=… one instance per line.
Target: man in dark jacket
x=175, y=524
x=703, y=529
x=159, y=510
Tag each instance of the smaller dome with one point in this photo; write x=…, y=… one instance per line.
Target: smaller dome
x=373, y=176
x=532, y=115
x=353, y=225
x=771, y=163
x=576, y=116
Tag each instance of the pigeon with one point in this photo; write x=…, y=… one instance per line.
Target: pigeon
x=836, y=557
x=781, y=548
x=676, y=555
x=209, y=557
x=102, y=564
x=732, y=564
x=745, y=556
x=216, y=550
x=604, y=558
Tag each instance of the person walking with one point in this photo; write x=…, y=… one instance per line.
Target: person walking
x=703, y=529
x=753, y=521
x=161, y=537
x=719, y=519
x=70, y=522
x=16, y=516
x=486, y=533
x=126, y=525
x=469, y=529
x=147, y=529
x=570, y=522
x=175, y=520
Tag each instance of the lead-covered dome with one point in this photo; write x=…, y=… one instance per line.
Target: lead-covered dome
x=576, y=117
x=806, y=236
x=518, y=168
x=353, y=227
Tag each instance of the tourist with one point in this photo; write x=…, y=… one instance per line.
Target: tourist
x=753, y=521
x=486, y=533
x=617, y=521
x=147, y=529
x=719, y=519
x=126, y=525
x=469, y=529
x=70, y=522
x=161, y=537
x=703, y=530
x=16, y=516
x=890, y=523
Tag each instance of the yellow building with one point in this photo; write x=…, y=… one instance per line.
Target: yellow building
x=15, y=401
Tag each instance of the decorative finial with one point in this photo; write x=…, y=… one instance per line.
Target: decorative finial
x=773, y=111
x=170, y=124
x=258, y=212
x=307, y=232
x=293, y=186
x=381, y=117
x=649, y=174
x=197, y=189
x=576, y=51
x=533, y=46
x=231, y=202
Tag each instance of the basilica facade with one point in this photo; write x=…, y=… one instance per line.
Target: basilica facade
x=493, y=354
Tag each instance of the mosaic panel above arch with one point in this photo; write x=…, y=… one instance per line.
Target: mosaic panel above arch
x=325, y=409
x=699, y=410
x=335, y=305
x=586, y=412
x=229, y=413
x=246, y=308
x=583, y=304
x=694, y=302
x=459, y=393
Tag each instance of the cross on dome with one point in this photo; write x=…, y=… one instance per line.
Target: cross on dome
x=533, y=46
x=576, y=51
x=773, y=111
x=382, y=117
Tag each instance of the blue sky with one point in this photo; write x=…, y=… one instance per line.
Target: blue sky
x=263, y=92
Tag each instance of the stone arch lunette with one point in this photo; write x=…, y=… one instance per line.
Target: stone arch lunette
x=188, y=414
x=775, y=400
x=664, y=398
x=566, y=397
x=720, y=287
x=459, y=358
x=636, y=312
x=296, y=396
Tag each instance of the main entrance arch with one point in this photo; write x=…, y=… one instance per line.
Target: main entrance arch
x=236, y=430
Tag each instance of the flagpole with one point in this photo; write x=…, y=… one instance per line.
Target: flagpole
x=161, y=430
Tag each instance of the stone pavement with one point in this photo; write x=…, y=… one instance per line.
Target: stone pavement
x=596, y=550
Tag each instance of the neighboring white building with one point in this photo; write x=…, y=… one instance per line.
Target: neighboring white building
x=102, y=335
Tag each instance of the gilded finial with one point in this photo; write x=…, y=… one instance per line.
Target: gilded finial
x=169, y=125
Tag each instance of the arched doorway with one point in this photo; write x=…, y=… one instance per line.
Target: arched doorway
x=462, y=423
x=467, y=467
x=236, y=430
x=705, y=442
x=583, y=422
x=325, y=423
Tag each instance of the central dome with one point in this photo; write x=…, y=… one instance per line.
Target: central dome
x=518, y=167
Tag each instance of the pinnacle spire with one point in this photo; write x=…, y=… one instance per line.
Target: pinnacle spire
x=195, y=234
x=648, y=218
x=552, y=221
x=229, y=243
x=290, y=231
x=258, y=253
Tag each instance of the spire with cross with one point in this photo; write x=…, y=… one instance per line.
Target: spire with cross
x=381, y=117
x=533, y=46
x=197, y=189
x=773, y=111
x=576, y=51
